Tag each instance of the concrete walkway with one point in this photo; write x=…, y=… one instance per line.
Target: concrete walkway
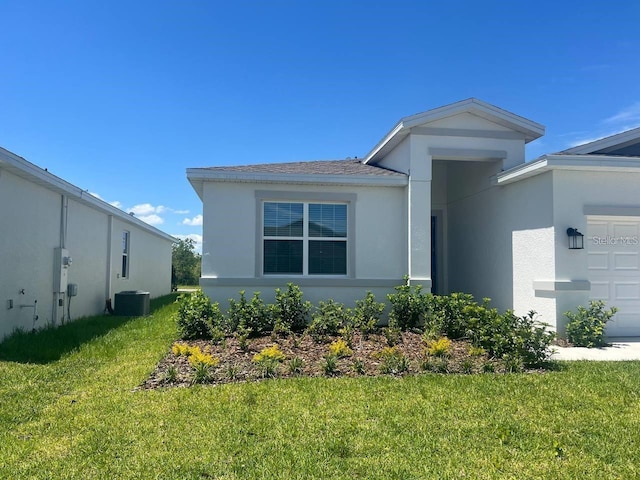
x=618, y=349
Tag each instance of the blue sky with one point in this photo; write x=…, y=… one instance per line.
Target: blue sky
x=120, y=98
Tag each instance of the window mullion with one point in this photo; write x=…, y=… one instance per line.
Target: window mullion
x=305, y=239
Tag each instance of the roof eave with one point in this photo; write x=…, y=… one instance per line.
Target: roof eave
x=197, y=176
x=27, y=170
x=588, y=163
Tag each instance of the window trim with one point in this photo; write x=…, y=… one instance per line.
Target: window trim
x=263, y=196
x=126, y=254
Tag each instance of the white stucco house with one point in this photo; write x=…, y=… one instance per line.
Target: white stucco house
x=447, y=198
x=55, y=235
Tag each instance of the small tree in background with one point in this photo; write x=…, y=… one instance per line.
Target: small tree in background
x=185, y=263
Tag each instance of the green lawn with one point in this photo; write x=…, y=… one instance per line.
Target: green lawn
x=68, y=409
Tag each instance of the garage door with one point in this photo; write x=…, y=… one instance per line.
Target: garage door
x=613, y=250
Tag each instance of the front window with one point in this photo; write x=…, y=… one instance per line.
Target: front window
x=304, y=238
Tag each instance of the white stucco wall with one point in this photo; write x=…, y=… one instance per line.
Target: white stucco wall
x=501, y=239
x=573, y=191
x=398, y=158
x=30, y=218
x=33, y=218
x=230, y=236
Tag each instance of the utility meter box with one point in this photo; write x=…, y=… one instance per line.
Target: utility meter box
x=61, y=263
x=72, y=289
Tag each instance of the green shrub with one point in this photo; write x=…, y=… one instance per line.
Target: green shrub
x=253, y=316
x=586, y=327
x=449, y=315
x=327, y=320
x=521, y=339
x=407, y=305
x=392, y=333
x=289, y=311
x=367, y=313
x=196, y=316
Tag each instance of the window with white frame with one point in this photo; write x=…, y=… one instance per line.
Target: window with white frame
x=304, y=238
x=125, y=254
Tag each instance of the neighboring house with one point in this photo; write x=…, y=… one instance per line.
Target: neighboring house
x=55, y=235
x=446, y=198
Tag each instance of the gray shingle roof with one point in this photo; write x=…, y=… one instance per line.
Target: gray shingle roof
x=317, y=167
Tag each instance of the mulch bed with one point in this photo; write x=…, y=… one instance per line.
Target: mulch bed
x=236, y=364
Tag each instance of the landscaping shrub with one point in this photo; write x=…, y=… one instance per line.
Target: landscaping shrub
x=449, y=315
x=289, y=311
x=520, y=339
x=328, y=319
x=407, y=306
x=586, y=327
x=367, y=313
x=196, y=316
x=340, y=348
x=439, y=348
x=251, y=317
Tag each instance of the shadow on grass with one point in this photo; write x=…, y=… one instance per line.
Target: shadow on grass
x=51, y=343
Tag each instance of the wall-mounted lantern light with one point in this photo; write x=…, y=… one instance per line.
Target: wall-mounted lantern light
x=576, y=239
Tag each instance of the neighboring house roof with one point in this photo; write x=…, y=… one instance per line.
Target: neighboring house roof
x=528, y=129
x=624, y=143
x=616, y=153
x=318, y=172
x=22, y=168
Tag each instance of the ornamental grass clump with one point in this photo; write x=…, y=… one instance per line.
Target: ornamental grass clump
x=268, y=361
x=392, y=361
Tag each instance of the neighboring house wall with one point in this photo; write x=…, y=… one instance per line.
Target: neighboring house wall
x=231, y=260
x=41, y=213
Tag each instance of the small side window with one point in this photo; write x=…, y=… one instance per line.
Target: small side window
x=125, y=254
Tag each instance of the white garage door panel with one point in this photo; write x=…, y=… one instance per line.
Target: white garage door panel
x=600, y=290
x=598, y=260
x=624, y=324
x=626, y=291
x=613, y=261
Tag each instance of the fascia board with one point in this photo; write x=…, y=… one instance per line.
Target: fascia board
x=530, y=129
x=522, y=171
x=569, y=162
x=198, y=175
x=390, y=140
x=27, y=170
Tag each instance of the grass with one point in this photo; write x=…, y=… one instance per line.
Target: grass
x=71, y=411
